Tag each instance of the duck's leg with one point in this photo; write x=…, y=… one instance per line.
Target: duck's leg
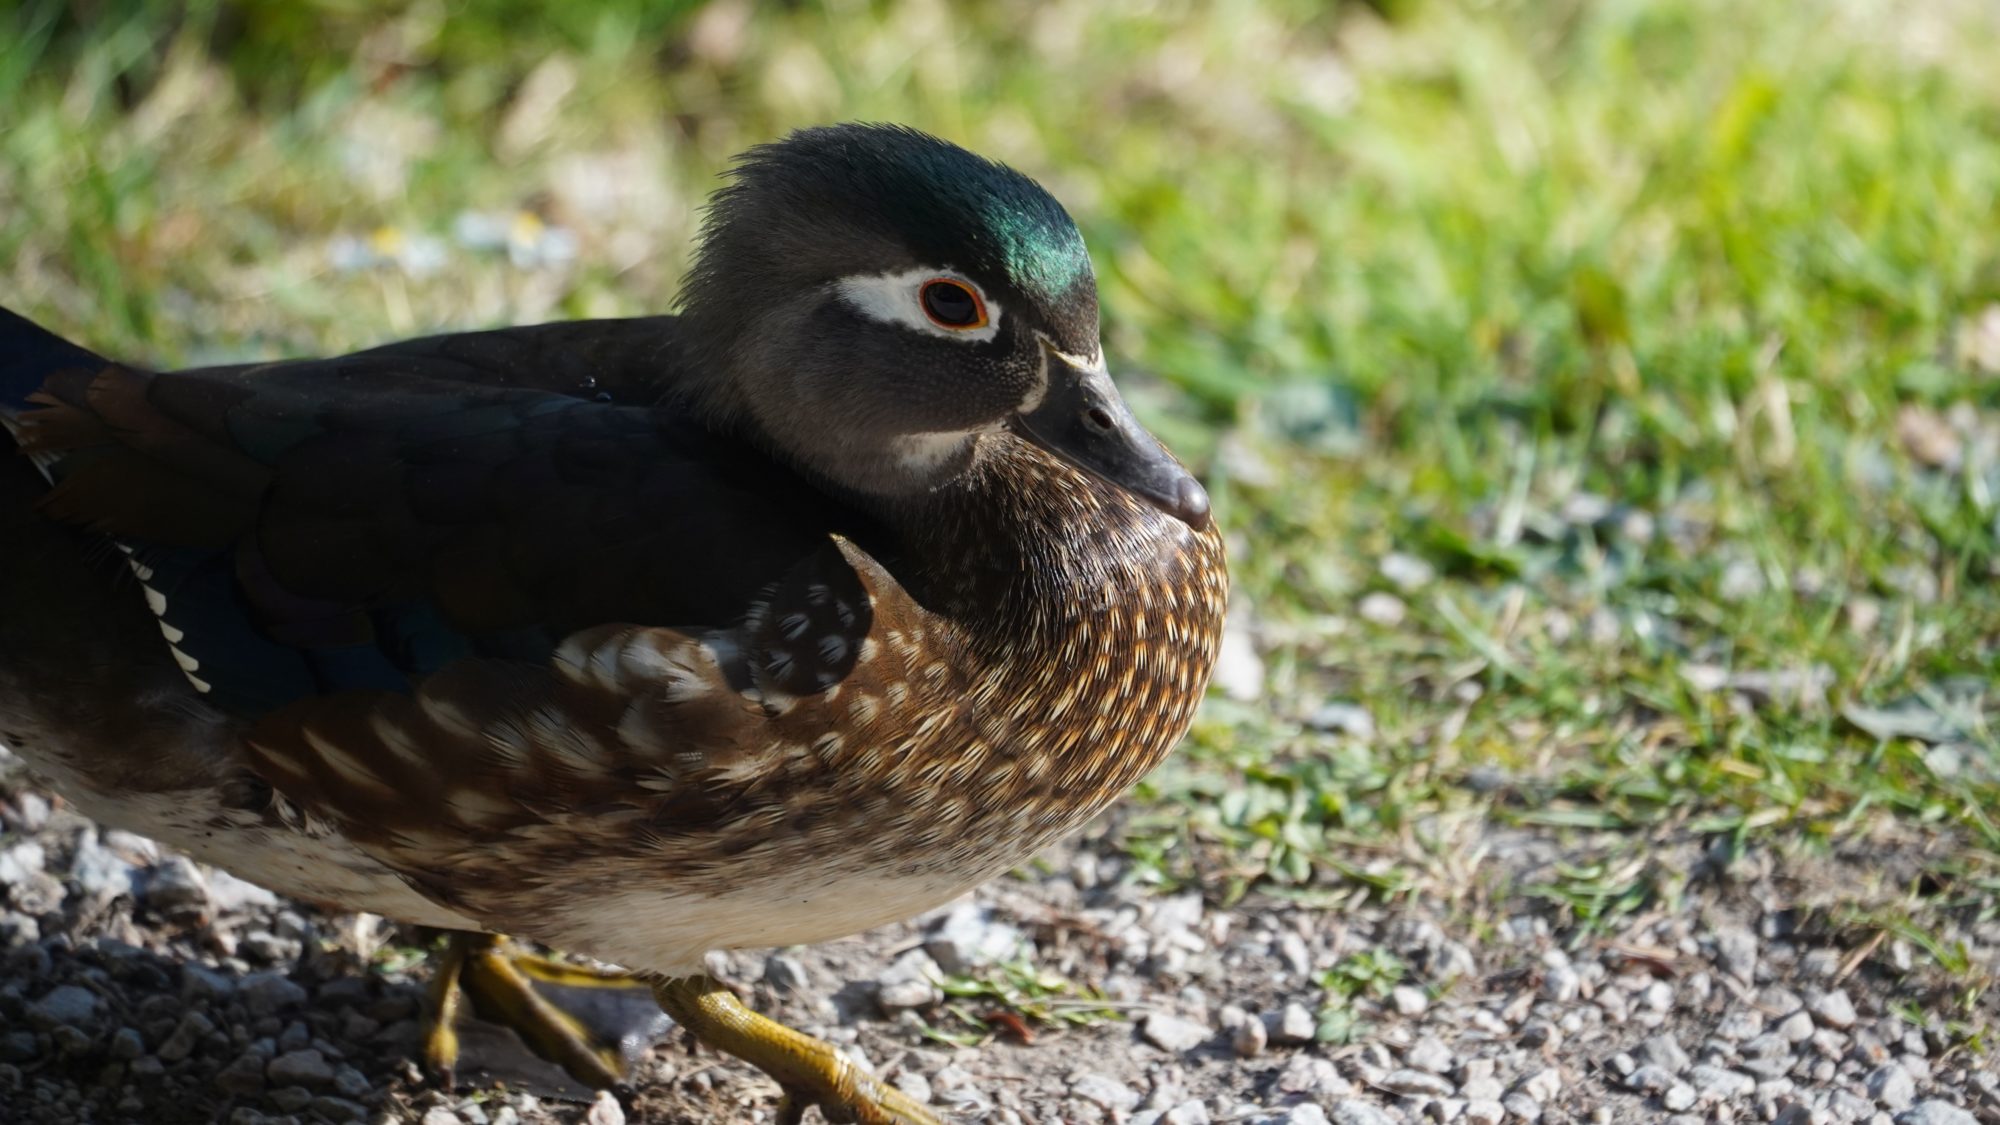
x=500, y=984
x=810, y=1071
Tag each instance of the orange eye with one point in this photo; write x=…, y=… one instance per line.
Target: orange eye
x=952, y=304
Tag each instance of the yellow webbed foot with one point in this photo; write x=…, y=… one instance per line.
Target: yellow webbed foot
x=591, y=1023
x=810, y=1071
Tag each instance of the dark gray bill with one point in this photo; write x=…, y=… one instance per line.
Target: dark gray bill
x=1083, y=420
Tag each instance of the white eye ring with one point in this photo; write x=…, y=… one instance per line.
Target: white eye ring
x=898, y=298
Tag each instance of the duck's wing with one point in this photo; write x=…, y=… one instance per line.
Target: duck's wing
x=317, y=526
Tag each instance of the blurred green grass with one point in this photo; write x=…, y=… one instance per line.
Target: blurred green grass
x=1664, y=334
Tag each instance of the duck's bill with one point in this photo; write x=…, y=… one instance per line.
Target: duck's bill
x=1083, y=420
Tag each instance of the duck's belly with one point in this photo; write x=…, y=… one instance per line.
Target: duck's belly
x=669, y=933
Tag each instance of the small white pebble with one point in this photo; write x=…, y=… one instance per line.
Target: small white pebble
x=1293, y=1025
x=605, y=1110
x=1409, y=1000
x=1659, y=996
x=1543, y=1085
x=1833, y=1009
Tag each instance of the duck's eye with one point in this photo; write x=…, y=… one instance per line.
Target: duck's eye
x=952, y=304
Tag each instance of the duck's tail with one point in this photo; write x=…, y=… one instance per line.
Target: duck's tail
x=29, y=354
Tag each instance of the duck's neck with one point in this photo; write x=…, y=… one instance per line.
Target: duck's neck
x=1029, y=553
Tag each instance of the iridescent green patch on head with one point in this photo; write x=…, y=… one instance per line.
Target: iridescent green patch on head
x=1047, y=259
x=958, y=205
x=949, y=207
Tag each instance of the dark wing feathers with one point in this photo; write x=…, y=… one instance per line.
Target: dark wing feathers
x=351, y=523
x=620, y=361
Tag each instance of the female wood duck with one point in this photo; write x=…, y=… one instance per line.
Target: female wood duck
x=797, y=614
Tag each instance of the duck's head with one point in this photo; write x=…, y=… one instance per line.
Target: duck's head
x=880, y=305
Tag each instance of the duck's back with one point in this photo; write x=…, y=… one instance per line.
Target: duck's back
x=322, y=525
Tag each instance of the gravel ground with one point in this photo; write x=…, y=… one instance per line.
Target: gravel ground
x=138, y=986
